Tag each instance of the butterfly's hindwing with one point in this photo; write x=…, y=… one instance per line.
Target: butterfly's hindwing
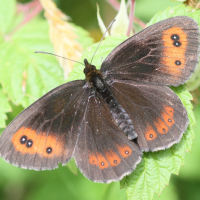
x=103, y=152
x=158, y=115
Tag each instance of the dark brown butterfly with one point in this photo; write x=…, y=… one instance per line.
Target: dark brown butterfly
x=108, y=119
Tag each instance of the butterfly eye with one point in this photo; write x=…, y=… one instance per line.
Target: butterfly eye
x=93, y=67
x=85, y=71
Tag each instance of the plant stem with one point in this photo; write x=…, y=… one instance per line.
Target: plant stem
x=131, y=16
x=30, y=10
x=116, y=6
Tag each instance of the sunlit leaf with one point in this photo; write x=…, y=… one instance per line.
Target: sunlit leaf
x=26, y=76
x=7, y=11
x=72, y=166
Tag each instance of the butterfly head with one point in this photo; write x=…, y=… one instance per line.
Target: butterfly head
x=88, y=67
x=90, y=71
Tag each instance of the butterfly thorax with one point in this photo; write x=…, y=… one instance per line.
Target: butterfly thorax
x=94, y=76
x=120, y=116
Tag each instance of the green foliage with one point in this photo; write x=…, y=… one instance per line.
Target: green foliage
x=7, y=11
x=26, y=76
x=72, y=166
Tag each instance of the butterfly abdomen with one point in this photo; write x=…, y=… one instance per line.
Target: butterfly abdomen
x=120, y=116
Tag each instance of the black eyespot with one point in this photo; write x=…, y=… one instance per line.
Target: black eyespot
x=177, y=43
x=169, y=120
x=115, y=161
x=127, y=152
x=29, y=143
x=49, y=150
x=175, y=37
x=164, y=130
x=102, y=163
x=178, y=62
x=151, y=136
x=23, y=139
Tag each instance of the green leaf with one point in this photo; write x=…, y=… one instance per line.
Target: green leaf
x=194, y=82
x=72, y=166
x=26, y=76
x=7, y=11
x=180, y=10
x=4, y=108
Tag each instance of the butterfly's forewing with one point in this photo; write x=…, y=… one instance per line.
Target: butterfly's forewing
x=70, y=120
x=45, y=133
x=158, y=116
x=103, y=153
x=165, y=53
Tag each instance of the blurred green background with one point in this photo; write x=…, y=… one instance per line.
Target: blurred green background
x=62, y=184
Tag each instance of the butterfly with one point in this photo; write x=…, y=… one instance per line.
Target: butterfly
x=109, y=119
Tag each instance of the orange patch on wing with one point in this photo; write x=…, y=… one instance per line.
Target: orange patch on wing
x=93, y=159
x=172, y=53
x=40, y=143
x=98, y=160
x=113, y=158
x=169, y=110
x=150, y=133
x=168, y=115
x=102, y=161
x=125, y=151
x=163, y=126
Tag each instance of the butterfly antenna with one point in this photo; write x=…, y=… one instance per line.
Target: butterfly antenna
x=102, y=39
x=58, y=56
